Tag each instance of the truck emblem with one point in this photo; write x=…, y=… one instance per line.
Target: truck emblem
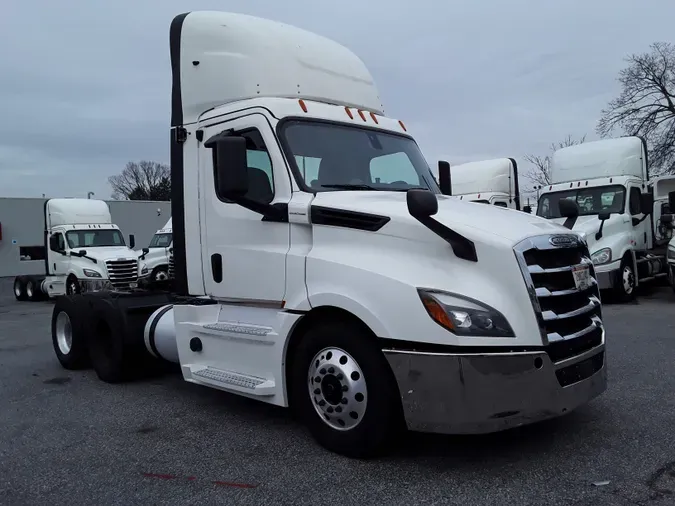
x=563, y=240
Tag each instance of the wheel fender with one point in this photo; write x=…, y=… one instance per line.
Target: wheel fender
x=353, y=306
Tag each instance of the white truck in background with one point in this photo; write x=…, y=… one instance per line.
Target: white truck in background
x=86, y=252
x=358, y=294
x=622, y=212
x=493, y=182
x=157, y=256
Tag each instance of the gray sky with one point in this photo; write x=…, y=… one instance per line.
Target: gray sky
x=85, y=85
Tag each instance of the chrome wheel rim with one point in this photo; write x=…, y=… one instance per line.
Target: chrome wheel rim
x=628, y=280
x=337, y=388
x=161, y=276
x=17, y=289
x=29, y=289
x=64, y=333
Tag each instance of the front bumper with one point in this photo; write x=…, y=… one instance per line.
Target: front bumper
x=608, y=275
x=482, y=393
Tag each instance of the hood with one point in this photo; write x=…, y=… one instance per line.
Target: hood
x=467, y=218
x=111, y=253
x=588, y=226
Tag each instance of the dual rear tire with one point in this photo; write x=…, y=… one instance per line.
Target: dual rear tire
x=29, y=288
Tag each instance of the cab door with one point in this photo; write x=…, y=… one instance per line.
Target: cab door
x=638, y=219
x=244, y=256
x=58, y=258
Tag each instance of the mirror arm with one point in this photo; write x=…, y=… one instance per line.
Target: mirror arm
x=598, y=234
x=462, y=247
x=570, y=221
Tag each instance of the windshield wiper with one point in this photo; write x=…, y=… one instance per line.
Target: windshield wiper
x=350, y=186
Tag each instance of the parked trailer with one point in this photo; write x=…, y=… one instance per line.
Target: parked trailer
x=618, y=210
x=366, y=303
x=493, y=182
x=86, y=252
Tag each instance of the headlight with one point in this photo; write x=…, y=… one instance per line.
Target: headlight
x=463, y=316
x=601, y=257
x=144, y=270
x=671, y=252
x=91, y=274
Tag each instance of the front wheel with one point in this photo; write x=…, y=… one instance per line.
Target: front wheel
x=625, y=287
x=344, y=391
x=72, y=286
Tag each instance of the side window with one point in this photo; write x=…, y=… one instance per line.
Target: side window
x=634, y=201
x=57, y=242
x=309, y=168
x=393, y=168
x=260, y=175
x=501, y=204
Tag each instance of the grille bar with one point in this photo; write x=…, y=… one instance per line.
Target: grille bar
x=122, y=272
x=570, y=319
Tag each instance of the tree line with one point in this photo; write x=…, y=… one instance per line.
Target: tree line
x=645, y=107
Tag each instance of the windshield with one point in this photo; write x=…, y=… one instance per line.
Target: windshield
x=590, y=201
x=332, y=157
x=94, y=238
x=160, y=241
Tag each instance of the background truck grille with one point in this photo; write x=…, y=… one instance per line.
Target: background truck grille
x=171, y=267
x=570, y=320
x=122, y=272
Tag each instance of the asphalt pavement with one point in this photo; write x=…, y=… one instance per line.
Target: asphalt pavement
x=68, y=439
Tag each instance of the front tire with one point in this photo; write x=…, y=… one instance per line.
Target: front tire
x=159, y=274
x=344, y=391
x=72, y=286
x=624, y=290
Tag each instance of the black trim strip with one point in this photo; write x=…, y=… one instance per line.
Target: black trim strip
x=320, y=215
x=516, y=186
x=153, y=326
x=46, y=239
x=294, y=311
x=180, y=282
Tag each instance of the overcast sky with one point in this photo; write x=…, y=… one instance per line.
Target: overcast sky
x=85, y=85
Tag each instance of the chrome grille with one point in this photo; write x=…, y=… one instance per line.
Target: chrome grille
x=122, y=272
x=570, y=319
x=171, y=267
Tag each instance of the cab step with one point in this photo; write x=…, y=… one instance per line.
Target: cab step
x=230, y=380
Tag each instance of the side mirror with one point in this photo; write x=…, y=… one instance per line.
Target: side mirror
x=145, y=251
x=527, y=209
x=603, y=216
x=671, y=201
x=132, y=241
x=570, y=210
x=647, y=203
x=667, y=219
x=82, y=253
x=230, y=165
x=444, y=177
x=421, y=203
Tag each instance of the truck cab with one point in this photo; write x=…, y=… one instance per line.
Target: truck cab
x=619, y=215
x=154, y=260
x=493, y=182
x=85, y=252
x=319, y=267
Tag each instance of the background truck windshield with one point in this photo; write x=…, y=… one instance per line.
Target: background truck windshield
x=331, y=157
x=94, y=238
x=590, y=201
x=160, y=241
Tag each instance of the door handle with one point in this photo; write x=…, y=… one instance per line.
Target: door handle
x=217, y=267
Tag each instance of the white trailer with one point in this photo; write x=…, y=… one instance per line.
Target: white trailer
x=353, y=292
x=156, y=257
x=620, y=209
x=86, y=252
x=493, y=182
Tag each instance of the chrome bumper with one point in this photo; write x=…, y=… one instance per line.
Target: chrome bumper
x=481, y=393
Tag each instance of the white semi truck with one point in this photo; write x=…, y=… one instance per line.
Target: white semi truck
x=359, y=295
x=493, y=182
x=156, y=257
x=623, y=213
x=85, y=252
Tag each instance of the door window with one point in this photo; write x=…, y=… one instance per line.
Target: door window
x=634, y=202
x=57, y=243
x=260, y=178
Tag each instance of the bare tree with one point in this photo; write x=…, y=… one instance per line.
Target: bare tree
x=646, y=105
x=144, y=180
x=540, y=172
